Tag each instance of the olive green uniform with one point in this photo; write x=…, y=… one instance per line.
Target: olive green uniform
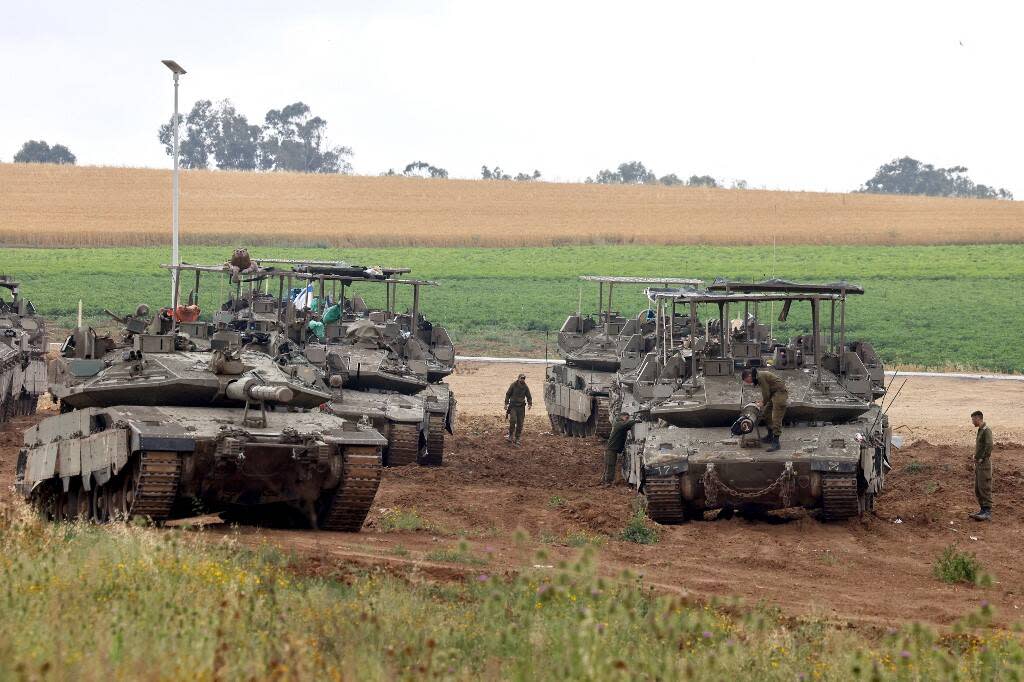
x=517, y=397
x=616, y=443
x=775, y=397
x=983, y=467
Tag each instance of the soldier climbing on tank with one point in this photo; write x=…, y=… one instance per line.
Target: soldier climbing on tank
x=517, y=400
x=982, y=467
x=774, y=398
x=616, y=443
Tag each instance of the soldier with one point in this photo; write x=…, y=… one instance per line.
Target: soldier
x=774, y=398
x=517, y=400
x=616, y=443
x=982, y=467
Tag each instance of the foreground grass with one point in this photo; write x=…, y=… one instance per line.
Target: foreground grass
x=942, y=306
x=86, y=603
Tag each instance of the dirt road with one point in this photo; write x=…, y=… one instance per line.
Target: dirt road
x=508, y=504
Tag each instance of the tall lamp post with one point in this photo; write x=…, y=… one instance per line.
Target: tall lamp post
x=177, y=71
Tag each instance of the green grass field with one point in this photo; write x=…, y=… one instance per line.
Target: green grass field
x=941, y=306
x=126, y=602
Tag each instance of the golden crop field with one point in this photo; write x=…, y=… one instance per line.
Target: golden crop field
x=44, y=205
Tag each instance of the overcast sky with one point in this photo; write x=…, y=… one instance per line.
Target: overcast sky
x=792, y=95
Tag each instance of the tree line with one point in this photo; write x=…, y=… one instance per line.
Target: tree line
x=293, y=139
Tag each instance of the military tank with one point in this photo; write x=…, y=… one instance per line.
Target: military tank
x=595, y=347
x=152, y=427
x=304, y=318
x=698, y=446
x=23, y=344
x=423, y=341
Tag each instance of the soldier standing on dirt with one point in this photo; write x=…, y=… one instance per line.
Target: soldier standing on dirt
x=982, y=467
x=517, y=399
x=774, y=398
x=616, y=443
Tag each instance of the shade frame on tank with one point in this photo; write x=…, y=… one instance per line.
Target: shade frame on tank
x=723, y=293
x=286, y=278
x=604, y=308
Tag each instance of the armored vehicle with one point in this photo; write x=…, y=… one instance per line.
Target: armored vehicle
x=22, y=353
x=311, y=324
x=422, y=340
x=596, y=346
x=699, y=448
x=150, y=427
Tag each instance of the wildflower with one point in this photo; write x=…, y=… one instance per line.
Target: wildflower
x=904, y=654
x=707, y=634
x=482, y=578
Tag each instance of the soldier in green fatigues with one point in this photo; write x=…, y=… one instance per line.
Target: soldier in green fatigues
x=517, y=399
x=982, y=467
x=616, y=443
x=774, y=398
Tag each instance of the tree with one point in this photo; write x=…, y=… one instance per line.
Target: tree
x=910, y=176
x=630, y=173
x=422, y=169
x=523, y=177
x=496, y=174
x=702, y=181
x=671, y=180
x=294, y=140
x=196, y=134
x=37, y=151
x=236, y=146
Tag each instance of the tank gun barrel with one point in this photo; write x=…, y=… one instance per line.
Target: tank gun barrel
x=252, y=389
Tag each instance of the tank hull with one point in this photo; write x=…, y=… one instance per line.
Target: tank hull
x=167, y=462
x=684, y=472
x=577, y=401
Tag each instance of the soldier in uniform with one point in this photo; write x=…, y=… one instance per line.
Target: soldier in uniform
x=616, y=443
x=774, y=398
x=982, y=467
x=517, y=400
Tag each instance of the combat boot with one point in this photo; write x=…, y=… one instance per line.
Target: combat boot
x=983, y=515
x=767, y=438
x=773, y=444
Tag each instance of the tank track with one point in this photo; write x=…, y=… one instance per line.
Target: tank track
x=403, y=444
x=353, y=497
x=839, y=498
x=156, y=484
x=603, y=418
x=664, y=499
x=435, y=440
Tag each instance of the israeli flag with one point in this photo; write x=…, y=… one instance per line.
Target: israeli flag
x=303, y=298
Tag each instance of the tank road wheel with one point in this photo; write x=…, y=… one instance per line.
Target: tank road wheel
x=435, y=441
x=119, y=493
x=44, y=500
x=403, y=444
x=101, y=504
x=79, y=503
x=840, y=497
x=60, y=505
x=664, y=500
x=602, y=418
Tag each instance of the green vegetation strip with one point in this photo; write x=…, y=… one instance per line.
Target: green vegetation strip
x=946, y=307
x=126, y=602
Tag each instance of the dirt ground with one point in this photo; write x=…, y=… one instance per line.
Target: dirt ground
x=509, y=503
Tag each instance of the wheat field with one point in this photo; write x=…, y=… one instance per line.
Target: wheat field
x=45, y=205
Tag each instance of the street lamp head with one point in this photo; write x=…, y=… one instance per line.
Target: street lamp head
x=173, y=66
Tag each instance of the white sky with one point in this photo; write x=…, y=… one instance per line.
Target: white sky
x=792, y=95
